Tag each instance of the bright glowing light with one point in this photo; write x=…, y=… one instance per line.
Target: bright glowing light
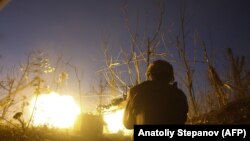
x=54, y=110
x=114, y=122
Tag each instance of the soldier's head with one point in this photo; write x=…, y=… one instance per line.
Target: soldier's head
x=160, y=70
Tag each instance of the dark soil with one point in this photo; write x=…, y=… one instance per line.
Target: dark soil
x=235, y=112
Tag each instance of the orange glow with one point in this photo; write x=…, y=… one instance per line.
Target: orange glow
x=114, y=123
x=54, y=110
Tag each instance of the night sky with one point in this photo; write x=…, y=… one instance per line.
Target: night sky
x=76, y=28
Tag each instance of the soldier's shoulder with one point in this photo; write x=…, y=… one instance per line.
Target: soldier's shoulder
x=141, y=85
x=181, y=93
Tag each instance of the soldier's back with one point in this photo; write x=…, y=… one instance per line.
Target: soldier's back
x=160, y=103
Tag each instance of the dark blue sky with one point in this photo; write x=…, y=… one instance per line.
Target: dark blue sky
x=76, y=28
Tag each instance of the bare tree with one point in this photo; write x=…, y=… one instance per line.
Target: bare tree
x=237, y=75
x=12, y=85
x=79, y=82
x=215, y=79
x=182, y=52
x=126, y=69
x=29, y=75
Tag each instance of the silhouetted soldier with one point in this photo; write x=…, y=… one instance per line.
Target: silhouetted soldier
x=156, y=101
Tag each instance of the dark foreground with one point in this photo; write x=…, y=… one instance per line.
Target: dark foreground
x=91, y=138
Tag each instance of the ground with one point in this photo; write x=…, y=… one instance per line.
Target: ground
x=235, y=112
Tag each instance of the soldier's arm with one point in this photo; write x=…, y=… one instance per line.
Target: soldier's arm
x=183, y=104
x=129, y=117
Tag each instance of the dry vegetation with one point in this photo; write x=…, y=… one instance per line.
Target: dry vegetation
x=227, y=102
x=235, y=112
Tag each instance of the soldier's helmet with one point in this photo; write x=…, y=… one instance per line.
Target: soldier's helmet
x=161, y=70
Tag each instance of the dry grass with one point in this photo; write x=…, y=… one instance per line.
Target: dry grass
x=235, y=112
x=8, y=133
